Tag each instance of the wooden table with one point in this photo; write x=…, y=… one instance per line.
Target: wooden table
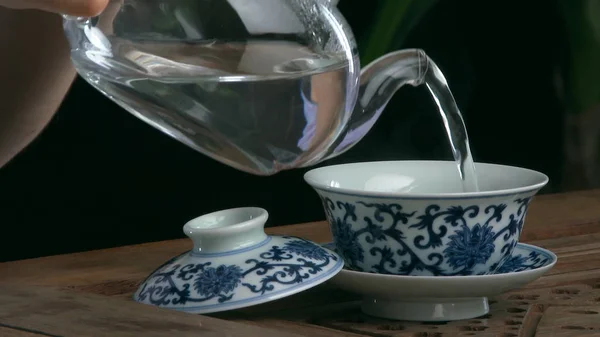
x=89, y=294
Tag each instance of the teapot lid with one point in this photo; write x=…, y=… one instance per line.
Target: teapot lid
x=234, y=264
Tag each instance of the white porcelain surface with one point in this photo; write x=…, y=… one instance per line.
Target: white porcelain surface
x=412, y=218
x=421, y=298
x=234, y=264
x=422, y=179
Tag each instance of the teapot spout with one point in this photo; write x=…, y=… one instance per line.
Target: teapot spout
x=379, y=81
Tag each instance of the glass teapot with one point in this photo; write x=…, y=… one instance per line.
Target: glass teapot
x=259, y=85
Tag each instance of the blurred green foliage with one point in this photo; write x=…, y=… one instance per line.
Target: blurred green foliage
x=395, y=19
x=392, y=24
x=582, y=79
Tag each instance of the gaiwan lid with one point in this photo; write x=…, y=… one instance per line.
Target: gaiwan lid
x=234, y=264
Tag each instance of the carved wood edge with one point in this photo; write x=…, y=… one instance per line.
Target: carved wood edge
x=47, y=311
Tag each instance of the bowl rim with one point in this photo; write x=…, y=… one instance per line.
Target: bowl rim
x=317, y=185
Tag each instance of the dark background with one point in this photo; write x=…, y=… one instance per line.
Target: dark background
x=97, y=177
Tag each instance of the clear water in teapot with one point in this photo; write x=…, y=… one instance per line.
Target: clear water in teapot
x=251, y=103
x=276, y=98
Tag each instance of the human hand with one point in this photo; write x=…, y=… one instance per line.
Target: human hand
x=69, y=7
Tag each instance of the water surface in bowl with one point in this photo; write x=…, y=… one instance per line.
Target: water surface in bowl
x=420, y=177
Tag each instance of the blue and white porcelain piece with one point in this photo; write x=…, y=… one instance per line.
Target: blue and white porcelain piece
x=443, y=298
x=413, y=218
x=234, y=264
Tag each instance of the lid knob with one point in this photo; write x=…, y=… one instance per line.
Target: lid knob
x=227, y=230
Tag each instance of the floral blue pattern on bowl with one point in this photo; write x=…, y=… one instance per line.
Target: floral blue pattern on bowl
x=273, y=267
x=425, y=225
x=455, y=240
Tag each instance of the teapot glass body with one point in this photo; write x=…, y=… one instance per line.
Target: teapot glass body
x=259, y=85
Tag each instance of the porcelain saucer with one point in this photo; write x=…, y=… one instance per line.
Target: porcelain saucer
x=443, y=298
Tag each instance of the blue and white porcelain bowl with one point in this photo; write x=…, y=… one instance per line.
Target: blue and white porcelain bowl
x=413, y=218
x=234, y=264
